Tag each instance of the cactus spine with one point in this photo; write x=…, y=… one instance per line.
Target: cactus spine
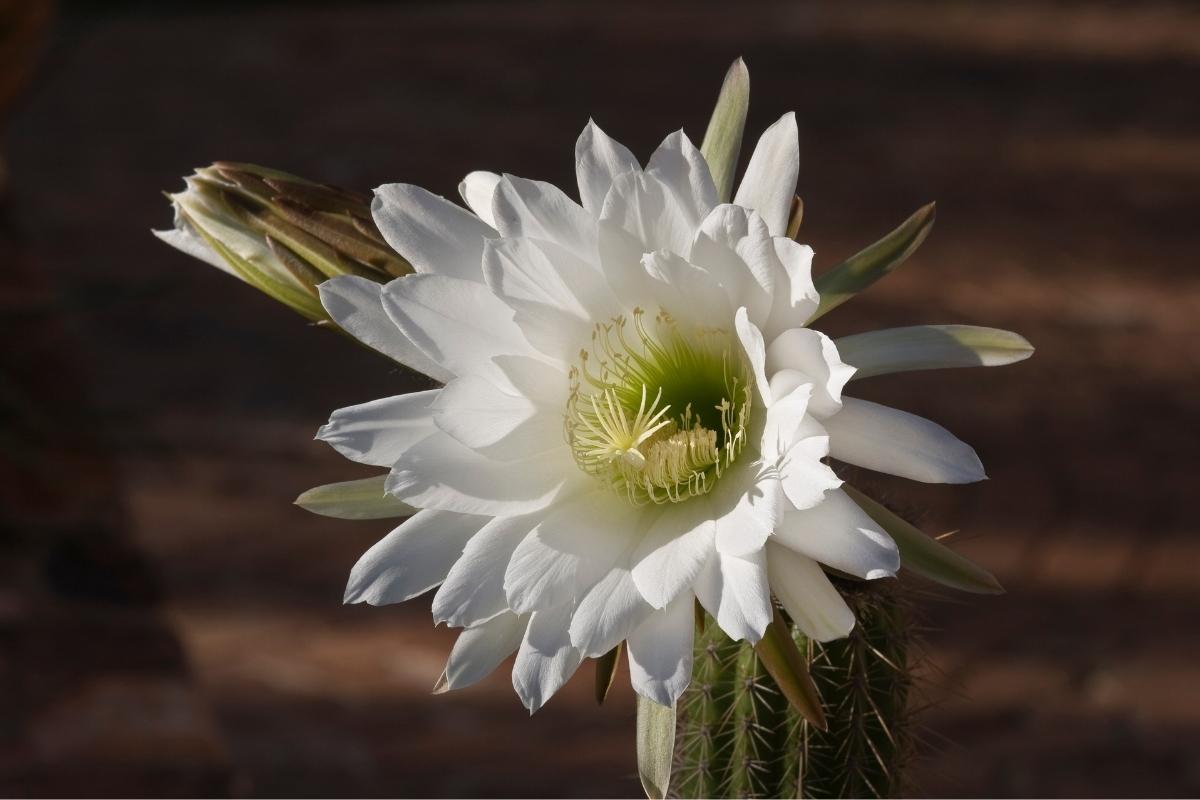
x=739, y=737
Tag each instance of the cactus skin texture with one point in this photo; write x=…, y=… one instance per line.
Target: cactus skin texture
x=739, y=737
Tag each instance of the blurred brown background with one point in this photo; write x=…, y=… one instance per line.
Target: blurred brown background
x=171, y=624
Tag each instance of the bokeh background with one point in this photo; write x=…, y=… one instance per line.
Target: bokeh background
x=171, y=625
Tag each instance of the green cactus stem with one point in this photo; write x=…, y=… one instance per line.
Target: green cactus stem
x=739, y=736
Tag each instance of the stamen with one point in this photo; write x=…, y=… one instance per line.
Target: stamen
x=646, y=449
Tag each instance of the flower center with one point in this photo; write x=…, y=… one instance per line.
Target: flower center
x=660, y=416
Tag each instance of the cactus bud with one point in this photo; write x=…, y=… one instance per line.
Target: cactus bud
x=279, y=233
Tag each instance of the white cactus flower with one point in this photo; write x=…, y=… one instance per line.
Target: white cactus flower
x=634, y=416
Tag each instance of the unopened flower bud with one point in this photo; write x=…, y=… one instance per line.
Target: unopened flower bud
x=279, y=233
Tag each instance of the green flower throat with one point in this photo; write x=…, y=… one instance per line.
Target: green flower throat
x=658, y=415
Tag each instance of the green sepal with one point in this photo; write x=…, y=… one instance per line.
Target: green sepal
x=778, y=653
x=856, y=273
x=723, y=139
x=931, y=347
x=924, y=555
x=655, y=746
x=360, y=499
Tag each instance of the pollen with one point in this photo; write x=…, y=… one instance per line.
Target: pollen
x=661, y=414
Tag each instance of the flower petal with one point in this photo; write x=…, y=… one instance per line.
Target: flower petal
x=805, y=477
x=682, y=169
x=888, y=440
x=435, y=235
x=838, y=533
x=814, y=355
x=770, y=180
x=660, y=652
x=685, y=290
x=598, y=159
x=748, y=501
x=412, y=559
x=673, y=552
x=459, y=324
x=356, y=305
x=752, y=342
x=621, y=263
x=733, y=245
x=501, y=425
x=380, y=431
x=807, y=595
x=546, y=659
x=474, y=587
x=543, y=383
x=477, y=190
x=481, y=649
x=641, y=205
x=608, y=612
x=556, y=295
x=795, y=297
x=540, y=210
x=576, y=545
x=735, y=591
x=183, y=237
x=441, y=472
x=783, y=421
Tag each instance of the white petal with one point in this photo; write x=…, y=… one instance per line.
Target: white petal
x=481, y=649
x=807, y=595
x=621, y=263
x=682, y=169
x=546, y=659
x=477, y=190
x=577, y=543
x=356, y=305
x=598, y=159
x=814, y=355
x=674, y=551
x=838, y=533
x=540, y=210
x=184, y=238
x=660, y=652
x=784, y=420
x=689, y=293
x=459, y=324
x=888, y=440
x=640, y=204
x=752, y=342
x=607, y=613
x=520, y=269
x=435, y=235
x=796, y=298
x=748, y=501
x=412, y=559
x=441, y=472
x=474, y=588
x=735, y=591
x=770, y=180
x=543, y=383
x=805, y=477
x=557, y=296
x=733, y=245
x=380, y=431
x=502, y=425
